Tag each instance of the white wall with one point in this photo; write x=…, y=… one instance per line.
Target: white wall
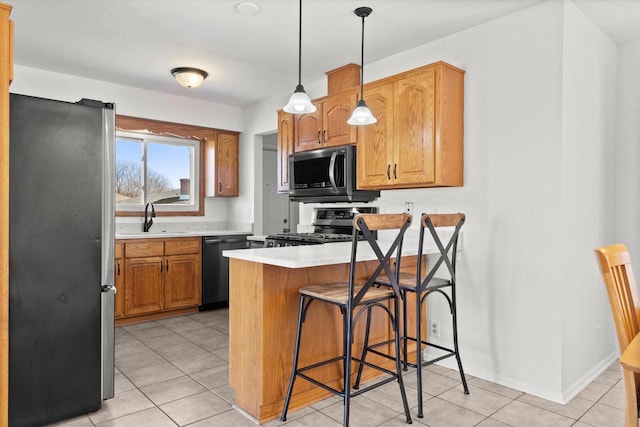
x=136, y=102
x=533, y=194
x=587, y=338
x=627, y=183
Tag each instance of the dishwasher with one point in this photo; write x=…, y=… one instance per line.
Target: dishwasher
x=215, y=268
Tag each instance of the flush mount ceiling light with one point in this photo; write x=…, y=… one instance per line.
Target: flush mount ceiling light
x=247, y=8
x=362, y=115
x=189, y=77
x=299, y=103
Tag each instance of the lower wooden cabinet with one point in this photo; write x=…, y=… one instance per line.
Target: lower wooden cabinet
x=160, y=276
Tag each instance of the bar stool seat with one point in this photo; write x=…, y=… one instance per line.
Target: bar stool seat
x=338, y=293
x=408, y=282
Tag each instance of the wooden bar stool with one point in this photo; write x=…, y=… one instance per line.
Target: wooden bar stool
x=353, y=300
x=413, y=282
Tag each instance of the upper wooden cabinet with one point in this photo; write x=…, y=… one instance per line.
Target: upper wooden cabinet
x=221, y=165
x=418, y=139
x=285, y=147
x=327, y=126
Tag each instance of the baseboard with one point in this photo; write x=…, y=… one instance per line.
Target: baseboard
x=561, y=397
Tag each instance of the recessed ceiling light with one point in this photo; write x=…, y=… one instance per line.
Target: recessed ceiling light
x=247, y=8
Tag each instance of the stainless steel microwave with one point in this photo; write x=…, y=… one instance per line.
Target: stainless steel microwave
x=326, y=175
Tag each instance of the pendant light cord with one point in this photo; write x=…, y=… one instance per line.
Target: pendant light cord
x=362, y=63
x=300, y=46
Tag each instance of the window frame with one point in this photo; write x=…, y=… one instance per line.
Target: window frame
x=149, y=127
x=147, y=138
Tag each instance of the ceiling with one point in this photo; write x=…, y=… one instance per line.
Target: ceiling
x=250, y=57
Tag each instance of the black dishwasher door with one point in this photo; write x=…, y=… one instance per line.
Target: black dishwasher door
x=215, y=269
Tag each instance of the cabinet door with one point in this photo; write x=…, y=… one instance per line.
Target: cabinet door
x=414, y=155
x=182, y=281
x=375, y=142
x=227, y=165
x=143, y=285
x=285, y=147
x=336, y=110
x=118, y=273
x=308, y=130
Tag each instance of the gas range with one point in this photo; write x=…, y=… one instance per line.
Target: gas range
x=330, y=225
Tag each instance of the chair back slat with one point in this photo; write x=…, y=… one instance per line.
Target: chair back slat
x=615, y=265
x=382, y=221
x=443, y=220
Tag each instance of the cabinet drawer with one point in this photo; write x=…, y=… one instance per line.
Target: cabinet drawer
x=182, y=246
x=143, y=249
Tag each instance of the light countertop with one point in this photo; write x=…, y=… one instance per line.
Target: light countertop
x=316, y=255
x=165, y=234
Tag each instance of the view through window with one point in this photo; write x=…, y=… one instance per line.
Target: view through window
x=157, y=169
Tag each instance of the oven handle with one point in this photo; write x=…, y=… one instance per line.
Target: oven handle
x=332, y=165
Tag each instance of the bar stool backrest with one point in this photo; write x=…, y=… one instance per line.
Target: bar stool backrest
x=431, y=222
x=367, y=224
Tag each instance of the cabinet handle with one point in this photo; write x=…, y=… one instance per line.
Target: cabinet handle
x=161, y=265
x=395, y=168
x=167, y=264
x=388, y=171
x=220, y=186
x=118, y=265
x=319, y=142
x=324, y=136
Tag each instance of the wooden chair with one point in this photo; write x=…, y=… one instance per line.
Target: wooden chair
x=423, y=287
x=353, y=300
x=615, y=265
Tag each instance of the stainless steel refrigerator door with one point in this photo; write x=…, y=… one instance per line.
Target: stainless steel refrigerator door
x=108, y=241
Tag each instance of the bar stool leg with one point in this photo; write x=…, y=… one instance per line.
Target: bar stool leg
x=294, y=369
x=419, y=351
x=347, y=371
x=405, y=336
x=454, y=315
x=396, y=331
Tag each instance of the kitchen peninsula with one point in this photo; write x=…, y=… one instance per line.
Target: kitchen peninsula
x=263, y=310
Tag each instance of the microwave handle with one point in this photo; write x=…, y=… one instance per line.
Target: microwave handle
x=332, y=165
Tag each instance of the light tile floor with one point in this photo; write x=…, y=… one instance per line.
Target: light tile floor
x=175, y=372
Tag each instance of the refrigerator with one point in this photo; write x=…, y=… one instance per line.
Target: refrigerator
x=61, y=237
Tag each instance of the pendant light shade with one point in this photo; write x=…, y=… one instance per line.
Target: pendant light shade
x=189, y=77
x=362, y=115
x=299, y=103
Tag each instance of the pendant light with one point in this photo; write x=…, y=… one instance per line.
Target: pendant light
x=299, y=103
x=362, y=115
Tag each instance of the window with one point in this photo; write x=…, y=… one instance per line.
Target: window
x=155, y=169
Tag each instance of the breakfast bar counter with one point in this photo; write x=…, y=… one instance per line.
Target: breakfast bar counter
x=263, y=311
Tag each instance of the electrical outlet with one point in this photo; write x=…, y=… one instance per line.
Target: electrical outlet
x=434, y=328
x=408, y=207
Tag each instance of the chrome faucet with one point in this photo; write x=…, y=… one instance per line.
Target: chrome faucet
x=147, y=224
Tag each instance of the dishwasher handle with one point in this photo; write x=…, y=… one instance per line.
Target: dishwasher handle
x=215, y=241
